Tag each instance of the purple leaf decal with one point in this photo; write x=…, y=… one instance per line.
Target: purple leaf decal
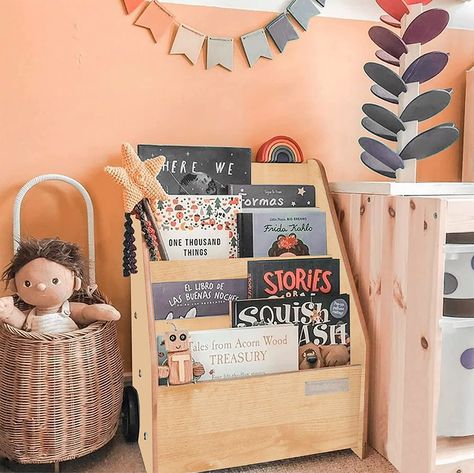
x=383, y=117
x=378, y=130
x=388, y=41
x=375, y=165
x=431, y=142
x=381, y=93
x=388, y=58
x=426, y=67
x=426, y=105
x=382, y=153
x=390, y=21
x=386, y=78
x=426, y=26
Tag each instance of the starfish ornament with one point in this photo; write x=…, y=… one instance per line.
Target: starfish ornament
x=138, y=178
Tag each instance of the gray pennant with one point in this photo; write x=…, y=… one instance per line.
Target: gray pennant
x=220, y=51
x=256, y=46
x=302, y=11
x=281, y=31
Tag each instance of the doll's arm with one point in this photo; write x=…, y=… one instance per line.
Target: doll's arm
x=9, y=314
x=84, y=314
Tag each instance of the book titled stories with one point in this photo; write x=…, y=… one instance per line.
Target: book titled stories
x=321, y=319
x=282, y=233
x=292, y=277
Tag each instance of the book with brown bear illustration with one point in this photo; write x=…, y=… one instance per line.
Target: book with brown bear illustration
x=281, y=232
x=323, y=324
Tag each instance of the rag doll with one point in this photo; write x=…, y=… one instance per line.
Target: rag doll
x=49, y=280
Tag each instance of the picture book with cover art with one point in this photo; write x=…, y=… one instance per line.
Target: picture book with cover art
x=240, y=352
x=281, y=232
x=203, y=170
x=197, y=226
x=190, y=299
x=321, y=319
x=292, y=277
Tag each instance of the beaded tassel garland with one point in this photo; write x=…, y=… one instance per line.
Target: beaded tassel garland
x=141, y=194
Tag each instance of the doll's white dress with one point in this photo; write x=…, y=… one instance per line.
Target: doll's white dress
x=58, y=322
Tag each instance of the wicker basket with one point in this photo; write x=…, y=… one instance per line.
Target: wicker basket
x=60, y=394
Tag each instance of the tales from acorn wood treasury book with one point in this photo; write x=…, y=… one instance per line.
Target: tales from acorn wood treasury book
x=240, y=352
x=190, y=299
x=197, y=226
x=203, y=170
x=275, y=196
x=281, y=232
x=292, y=277
x=321, y=319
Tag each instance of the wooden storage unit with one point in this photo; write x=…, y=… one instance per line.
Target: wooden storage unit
x=219, y=424
x=396, y=248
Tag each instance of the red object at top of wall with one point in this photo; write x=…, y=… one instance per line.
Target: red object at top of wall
x=131, y=5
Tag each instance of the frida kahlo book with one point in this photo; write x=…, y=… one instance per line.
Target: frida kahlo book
x=281, y=233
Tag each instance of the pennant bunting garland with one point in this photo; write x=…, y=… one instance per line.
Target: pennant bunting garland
x=188, y=42
x=256, y=46
x=220, y=51
x=131, y=5
x=281, y=31
x=302, y=11
x=156, y=19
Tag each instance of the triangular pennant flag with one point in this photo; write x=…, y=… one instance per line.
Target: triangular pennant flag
x=256, y=45
x=131, y=5
x=188, y=42
x=281, y=31
x=220, y=51
x=156, y=19
x=302, y=11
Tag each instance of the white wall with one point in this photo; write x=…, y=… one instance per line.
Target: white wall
x=462, y=12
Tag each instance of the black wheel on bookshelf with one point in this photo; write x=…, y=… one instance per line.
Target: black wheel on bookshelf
x=130, y=414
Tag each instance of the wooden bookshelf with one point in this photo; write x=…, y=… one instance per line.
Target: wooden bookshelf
x=220, y=424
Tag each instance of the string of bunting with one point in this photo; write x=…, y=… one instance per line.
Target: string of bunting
x=220, y=50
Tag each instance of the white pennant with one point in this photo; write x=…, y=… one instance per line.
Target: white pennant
x=188, y=42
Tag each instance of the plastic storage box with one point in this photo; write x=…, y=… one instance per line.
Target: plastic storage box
x=456, y=406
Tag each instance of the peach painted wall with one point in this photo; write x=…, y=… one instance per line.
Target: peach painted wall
x=78, y=79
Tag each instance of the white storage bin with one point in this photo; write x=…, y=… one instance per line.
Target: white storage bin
x=456, y=402
x=459, y=272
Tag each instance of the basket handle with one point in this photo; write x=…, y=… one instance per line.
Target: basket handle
x=90, y=214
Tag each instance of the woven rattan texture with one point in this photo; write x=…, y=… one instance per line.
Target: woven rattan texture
x=60, y=395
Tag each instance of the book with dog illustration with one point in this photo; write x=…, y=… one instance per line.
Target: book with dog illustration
x=292, y=277
x=281, y=232
x=190, y=299
x=203, y=170
x=275, y=196
x=323, y=323
x=197, y=226
x=240, y=352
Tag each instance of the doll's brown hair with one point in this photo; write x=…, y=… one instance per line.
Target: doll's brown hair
x=64, y=253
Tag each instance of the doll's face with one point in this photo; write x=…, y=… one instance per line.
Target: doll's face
x=43, y=283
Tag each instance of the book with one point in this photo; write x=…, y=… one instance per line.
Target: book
x=275, y=196
x=196, y=226
x=203, y=170
x=281, y=232
x=240, y=352
x=190, y=299
x=292, y=277
x=321, y=319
